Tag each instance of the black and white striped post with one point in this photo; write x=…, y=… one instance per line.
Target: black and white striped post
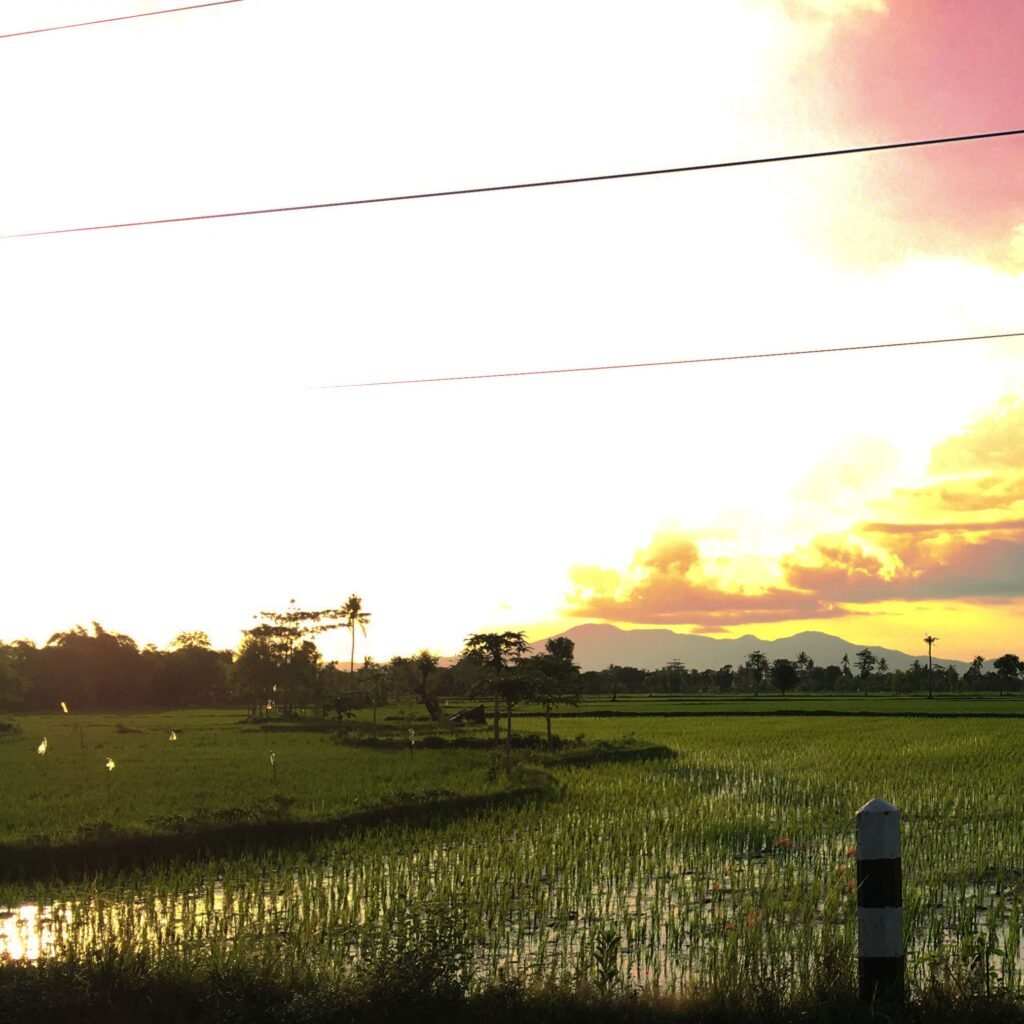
x=880, y=903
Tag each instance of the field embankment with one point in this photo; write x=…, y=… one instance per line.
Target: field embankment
x=222, y=786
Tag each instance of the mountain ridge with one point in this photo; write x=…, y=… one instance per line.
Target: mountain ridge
x=599, y=645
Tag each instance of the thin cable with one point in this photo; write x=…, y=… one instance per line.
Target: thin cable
x=523, y=185
x=668, y=362
x=122, y=17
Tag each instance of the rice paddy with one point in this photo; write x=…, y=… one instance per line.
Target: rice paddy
x=727, y=867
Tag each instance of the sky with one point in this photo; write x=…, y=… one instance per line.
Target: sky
x=176, y=452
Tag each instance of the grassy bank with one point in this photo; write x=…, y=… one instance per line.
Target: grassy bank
x=222, y=785
x=215, y=773
x=408, y=988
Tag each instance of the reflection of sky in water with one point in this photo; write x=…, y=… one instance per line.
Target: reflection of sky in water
x=31, y=931
x=673, y=926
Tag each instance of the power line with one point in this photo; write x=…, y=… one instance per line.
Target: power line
x=122, y=17
x=670, y=362
x=720, y=165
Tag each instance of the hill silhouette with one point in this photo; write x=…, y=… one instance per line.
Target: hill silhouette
x=599, y=645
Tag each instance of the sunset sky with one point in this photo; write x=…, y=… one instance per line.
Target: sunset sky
x=174, y=456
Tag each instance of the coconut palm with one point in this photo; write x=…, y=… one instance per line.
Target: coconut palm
x=353, y=615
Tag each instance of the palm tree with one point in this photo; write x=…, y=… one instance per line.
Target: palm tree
x=352, y=612
x=929, y=640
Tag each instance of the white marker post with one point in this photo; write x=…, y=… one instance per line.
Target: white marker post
x=880, y=903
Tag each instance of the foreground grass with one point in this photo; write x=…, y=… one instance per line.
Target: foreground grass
x=418, y=988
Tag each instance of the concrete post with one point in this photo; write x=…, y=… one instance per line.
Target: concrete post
x=880, y=903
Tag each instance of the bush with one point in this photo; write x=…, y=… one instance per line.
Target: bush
x=427, y=960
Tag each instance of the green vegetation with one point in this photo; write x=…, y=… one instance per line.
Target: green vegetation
x=225, y=783
x=716, y=880
x=873, y=705
x=213, y=788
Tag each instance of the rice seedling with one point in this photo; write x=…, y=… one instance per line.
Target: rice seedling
x=731, y=867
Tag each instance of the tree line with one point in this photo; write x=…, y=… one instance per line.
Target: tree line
x=279, y=667
x=865, y=673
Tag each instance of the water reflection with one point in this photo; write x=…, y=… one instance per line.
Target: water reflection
x=30, y=931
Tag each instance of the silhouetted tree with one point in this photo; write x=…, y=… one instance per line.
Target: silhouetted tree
x=353, y=615
x=844, y=665
x=757, y=667
x=975, y=674
x=425, y=664
x=627, y=679
x=194, y=639
x=555, y=676
x=784, y=675
x=104, y=670
x=804, y=666
x=670, y=679
x=1008, y=670
x=260, y=665
x=498, y=653
x=376, y=681
x=190, y=673
x=866, y=662
x=952, y=678
x=13, y=685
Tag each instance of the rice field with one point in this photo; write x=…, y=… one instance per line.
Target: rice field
x=728, y=867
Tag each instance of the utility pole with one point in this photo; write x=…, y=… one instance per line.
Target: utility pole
x=929, y=640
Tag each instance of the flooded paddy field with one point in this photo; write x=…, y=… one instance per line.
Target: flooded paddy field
x=733, y=860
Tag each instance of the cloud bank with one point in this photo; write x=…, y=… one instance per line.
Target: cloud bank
x=959, y=537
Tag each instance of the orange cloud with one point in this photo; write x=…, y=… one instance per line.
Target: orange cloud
x=940, y=528
x=668, y=585
x=975, y=560
x=983, y=494
x=919, y=563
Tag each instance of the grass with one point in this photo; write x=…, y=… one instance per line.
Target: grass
x=93, y=990
x=216, y=771
x=214, y=789
x=772, y=703
x=722, y=877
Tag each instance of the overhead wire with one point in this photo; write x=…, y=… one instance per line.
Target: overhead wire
x=670, y=362
x=120, y=17
x=548, y=183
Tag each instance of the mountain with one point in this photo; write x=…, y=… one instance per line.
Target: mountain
x=599, y=645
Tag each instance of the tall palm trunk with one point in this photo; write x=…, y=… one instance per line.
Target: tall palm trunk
x=352, y=657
